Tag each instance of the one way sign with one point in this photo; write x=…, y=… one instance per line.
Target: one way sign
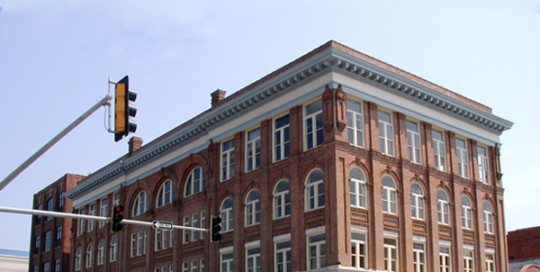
x=162, y=225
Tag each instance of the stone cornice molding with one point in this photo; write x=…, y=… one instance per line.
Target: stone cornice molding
x=326, y=59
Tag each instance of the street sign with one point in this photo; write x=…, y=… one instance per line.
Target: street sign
x=162, y=225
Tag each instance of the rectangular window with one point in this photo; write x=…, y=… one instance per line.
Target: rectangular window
x=133, y=245
x=439, y=150
x=390, y=255
x=187, y=233
x=444, y=259
x=203, y=224
x=91, y=223
x=117, y=199
x=359, y=250
x=483, y=165
x=463, y=158
x=227, y=160
x=253, y=259
x=468, y=261
x=419, y=257
x=103, y=211
x=194, y=264
x=313, y=122
x=158, y=240
x=59, y=233
x=48, y=241
x=317, y=251
x=57, y=265
x=413, y=141
x=195, y=224
x=201, y=261
x=283, y=258
x=253, y=150
x=490, y=262
x=282, y=138
x=37, y=244
x=386, y=133
x=355, y=123
x=185, y=267
x=80, y=223
x=227, y=262
x=46, y=267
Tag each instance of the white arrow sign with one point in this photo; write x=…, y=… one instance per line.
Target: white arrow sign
x=162, y=225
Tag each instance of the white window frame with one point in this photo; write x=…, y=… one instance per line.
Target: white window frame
x=187, y=233
x=203, y=225
x=113, y=254
x=92, y=210
x=133, y=252
x=89, y=256
x=445, y=259
x=201, y=265
x=195, y=182
x=78, y=259
x=253, y=149
x=419, y=257
x=319, y=247
x=391, y=254
x=195, y=224
x=313, y=120
x=226, y=263
x=227, y=160
x=80, y=223
x=227, y=216
x=283, y=249
x=483, y=165
x=101, y=252
x=490, y=262
x=466, y=214
x=103, y=210
x=194, y=264
x=140, y=204
x=417, y=203
x=48, y=241
x=252, y=209
x=468, y=261
x=281, y=139
x=414, y=144
x=165, y=194
x=355, y=123
x=463, y=157
x=358, y=188
x=488, y=218
x=359, y=250
x=443, y=208
x=389, y=197
x=315, y=193
x=439, y=150
x=253, y=259
x=282, y=200
x=386, y=133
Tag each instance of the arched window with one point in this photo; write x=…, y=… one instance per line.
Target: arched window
x=358, y=188
x=253, y=208
x=114, y=249
x=282, y=200
x=443, y=209
x=488, y=218
x=165, y=194
x=78, y=258
x=196, y=182
x=466, y=213
x=139, y=205
x=417, y=201
x=315, y=196
x=101, y=252
x=89, y=251
x=227, y=215
x=389, y=195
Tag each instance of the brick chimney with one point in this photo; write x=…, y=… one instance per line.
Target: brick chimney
x=217, y=96
x=134, y=144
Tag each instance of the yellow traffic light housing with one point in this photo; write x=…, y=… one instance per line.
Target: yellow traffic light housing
x=124, y=109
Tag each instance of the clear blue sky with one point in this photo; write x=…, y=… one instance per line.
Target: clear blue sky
x=56, y=57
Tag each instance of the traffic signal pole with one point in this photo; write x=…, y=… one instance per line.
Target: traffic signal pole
x=154, y=224
x=103, y=102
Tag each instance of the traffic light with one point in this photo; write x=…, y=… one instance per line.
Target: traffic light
x=124, y=109
x=117, y=218
x=216, y=227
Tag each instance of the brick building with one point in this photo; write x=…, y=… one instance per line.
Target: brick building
x=335, y=162
x=50, y=246
x=524, y=250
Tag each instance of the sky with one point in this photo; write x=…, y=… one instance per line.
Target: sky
x=56, y=57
